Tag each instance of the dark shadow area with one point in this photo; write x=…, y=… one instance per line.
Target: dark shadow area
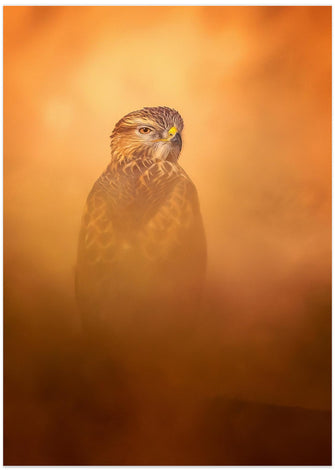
x=243, y=433
x=73, y=400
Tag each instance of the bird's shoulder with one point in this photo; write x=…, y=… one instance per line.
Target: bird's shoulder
x=144, y=167
x=141, y=176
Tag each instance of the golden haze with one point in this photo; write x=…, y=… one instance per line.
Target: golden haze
x=253, y=85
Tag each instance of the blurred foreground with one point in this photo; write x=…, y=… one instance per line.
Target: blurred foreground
x=141, y=400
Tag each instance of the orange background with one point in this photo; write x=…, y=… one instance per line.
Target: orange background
x=253, y=85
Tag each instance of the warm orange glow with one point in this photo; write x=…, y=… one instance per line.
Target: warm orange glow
x=253, y=85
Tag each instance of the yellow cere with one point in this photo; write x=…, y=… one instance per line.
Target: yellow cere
x=173, y=131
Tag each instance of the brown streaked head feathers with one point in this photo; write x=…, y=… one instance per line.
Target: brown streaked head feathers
x=153, y=133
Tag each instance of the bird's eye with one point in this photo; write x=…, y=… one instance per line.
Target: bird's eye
x=145, y=130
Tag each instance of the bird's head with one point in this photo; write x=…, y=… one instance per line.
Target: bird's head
x=153, y=133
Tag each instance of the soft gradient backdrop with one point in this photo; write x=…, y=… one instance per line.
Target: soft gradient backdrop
x=253, y=85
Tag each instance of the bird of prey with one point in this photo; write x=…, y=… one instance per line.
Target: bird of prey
x=142, y=240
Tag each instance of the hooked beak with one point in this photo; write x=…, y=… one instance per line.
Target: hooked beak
x=177, y=140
